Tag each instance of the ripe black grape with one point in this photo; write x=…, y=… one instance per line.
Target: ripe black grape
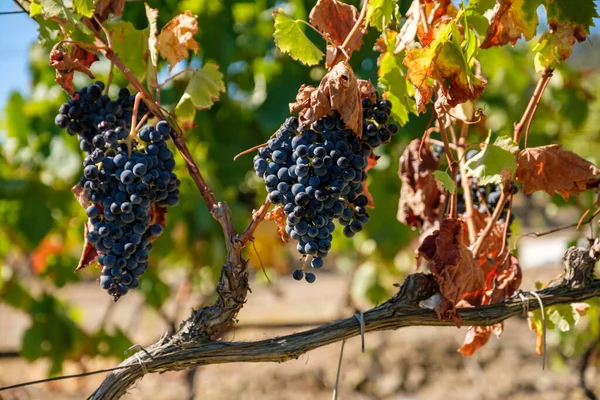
x=127, y=180
x=317, y=172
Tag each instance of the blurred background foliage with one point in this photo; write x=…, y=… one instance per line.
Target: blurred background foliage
x=41, y=224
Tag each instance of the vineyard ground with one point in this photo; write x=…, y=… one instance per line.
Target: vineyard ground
x=413, y=363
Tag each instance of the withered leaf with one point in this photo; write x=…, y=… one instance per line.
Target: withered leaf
x=105, y=7
x=420, y=197
x=367, y=90
x=89, y=252
x=408, y=32
x=371, y=162
x=478, y=336
x=502, y=279
x=177, y=38
x=278, y=216
x=554, y=170
x=49, y=246
x=339, y=91
x=66, y=63
x=159, y=215
x=335, y=19
x=438, y=9
x=453, y=265
x=508, y=22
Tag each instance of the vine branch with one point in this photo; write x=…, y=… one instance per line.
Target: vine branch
x=525, y=121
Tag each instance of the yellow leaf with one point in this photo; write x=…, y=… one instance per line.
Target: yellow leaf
x=443, y=61
x=177, y=37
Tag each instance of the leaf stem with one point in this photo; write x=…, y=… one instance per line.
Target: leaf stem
x=525, y=121
x=175, y=76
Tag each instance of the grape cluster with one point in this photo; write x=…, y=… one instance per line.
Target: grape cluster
x=127, y=180
x=317, y=172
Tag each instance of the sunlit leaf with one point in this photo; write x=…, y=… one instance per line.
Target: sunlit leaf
x=380, y=13
x=445, y=180
x=204, y=88
x=290, y=39
x=177, y=38
x=493, y=159
x=131, y=45
x=84, y=7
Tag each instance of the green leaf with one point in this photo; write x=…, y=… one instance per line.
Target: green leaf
x=575, y=12
x=563, y=317
x=203, y=89
x=474, y=13
x=16, y=120
x=15, y=295
x=393, y=81
x=379, y=13
x=494, y=158
x=84, y=7
x=185, y=112
x=365, y=284
x=290, y=39
x=155, y=290
x=131, y=45
x=56, y=8
x=49, y=30
x=446, y=180
x=108, y=345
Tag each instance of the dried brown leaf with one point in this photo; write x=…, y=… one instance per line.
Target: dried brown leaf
x=475, y=339
x=554, y=170
x=278, y=216
x=408, y=32
x=367, y=90
x=339, y=91
x=507, y=23
x=335, y=19
x=420, y=197
x=453, y=265
x=105, y=7
x=66, y=63
x=177, y=38
x=580, y=308
x=89, y=252
x=371, y=162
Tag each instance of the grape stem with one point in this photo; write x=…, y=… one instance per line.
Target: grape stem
x=133, y=132
x=257, y=217
x=250, y=150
